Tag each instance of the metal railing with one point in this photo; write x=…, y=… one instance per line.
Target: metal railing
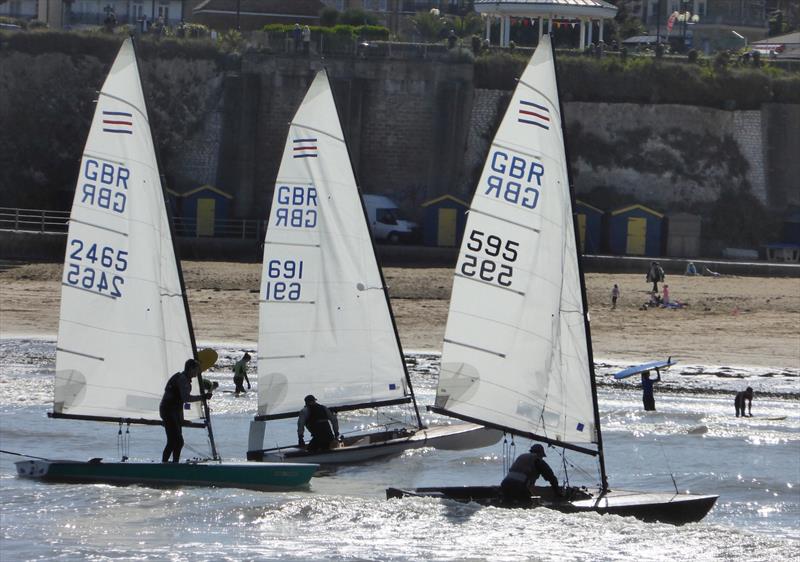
x=244, y=229
x=41, y=220
x=33, y=220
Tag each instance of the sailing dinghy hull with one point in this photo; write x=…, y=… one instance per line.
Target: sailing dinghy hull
x=367, y=447
x=664, y=507
x=287, y=476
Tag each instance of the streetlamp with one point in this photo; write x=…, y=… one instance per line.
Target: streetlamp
x=742, y=37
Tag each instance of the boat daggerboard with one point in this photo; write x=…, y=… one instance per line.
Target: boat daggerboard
x=122, y=329
x=515, y=350
x=636, y=369
x=324, y=323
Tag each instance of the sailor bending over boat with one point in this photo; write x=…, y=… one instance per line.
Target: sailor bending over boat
x=176, y=393
x=320, y=422
x=523, y=474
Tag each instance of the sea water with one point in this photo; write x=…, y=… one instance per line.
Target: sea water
x=692, y=442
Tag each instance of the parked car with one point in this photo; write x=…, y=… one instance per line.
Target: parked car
x=387, y=221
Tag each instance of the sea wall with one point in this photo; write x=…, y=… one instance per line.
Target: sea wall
x=418, y=129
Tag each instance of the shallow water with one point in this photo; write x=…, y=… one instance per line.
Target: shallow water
x=753, y=464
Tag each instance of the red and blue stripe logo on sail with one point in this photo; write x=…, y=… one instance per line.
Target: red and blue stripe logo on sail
x=305, y=148
x=119, y=122
x=534, y=114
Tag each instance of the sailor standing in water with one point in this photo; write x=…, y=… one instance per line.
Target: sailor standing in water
x=647, y=390
x=738, y=402
x=320, y=422
x=177, y=392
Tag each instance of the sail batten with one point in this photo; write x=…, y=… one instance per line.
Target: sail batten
x=515, y=358
x=119, y=247
x=340, y=345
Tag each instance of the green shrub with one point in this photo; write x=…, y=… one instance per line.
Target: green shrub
x=368, y=32
x=357, y=16
x=498, y=70
x=372, y=32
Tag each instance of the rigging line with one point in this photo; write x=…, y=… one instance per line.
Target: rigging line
x=23, y=455
x=669, y=468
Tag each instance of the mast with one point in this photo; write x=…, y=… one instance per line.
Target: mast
x=587, y=329
x=206, y=410
x=380, y=270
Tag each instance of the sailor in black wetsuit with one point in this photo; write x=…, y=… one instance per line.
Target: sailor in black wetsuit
x=320, y=422
x=524, y=472
x=176, y=394
x=738, y=402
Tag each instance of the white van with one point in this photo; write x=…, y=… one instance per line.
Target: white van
x=387, y=222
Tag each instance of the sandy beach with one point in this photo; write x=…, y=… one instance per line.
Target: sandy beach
x=748, y=321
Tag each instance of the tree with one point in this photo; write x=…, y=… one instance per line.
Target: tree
x=468, y=25
x=430, y=25
x=357, y=16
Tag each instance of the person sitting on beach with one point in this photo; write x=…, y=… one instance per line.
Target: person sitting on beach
x=522, y=475
x=320, y=422
x=738, y=402
x=691, y=269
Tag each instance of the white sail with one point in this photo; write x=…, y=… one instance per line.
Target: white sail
x=123, y=329
x=515, y=353
x=324, y=322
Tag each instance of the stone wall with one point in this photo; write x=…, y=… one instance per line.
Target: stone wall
x=417, y=129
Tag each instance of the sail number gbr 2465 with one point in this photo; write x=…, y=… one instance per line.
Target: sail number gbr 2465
x=96, y=268
x=489, y=258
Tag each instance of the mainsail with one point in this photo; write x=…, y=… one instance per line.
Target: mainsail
x=324, y=321
x=515, y=352
x=123, y=328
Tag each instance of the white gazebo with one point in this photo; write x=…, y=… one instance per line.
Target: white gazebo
x=585, y=11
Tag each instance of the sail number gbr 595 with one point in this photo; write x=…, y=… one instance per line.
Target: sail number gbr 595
x=96, y=268
x=489, y=258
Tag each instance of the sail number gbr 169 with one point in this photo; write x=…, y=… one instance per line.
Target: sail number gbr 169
x=283, y=280
x=489, y=258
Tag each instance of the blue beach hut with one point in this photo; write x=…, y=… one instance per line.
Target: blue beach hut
x=636, y=230
x=202, y=208
x=444, y=221
x=590, y=227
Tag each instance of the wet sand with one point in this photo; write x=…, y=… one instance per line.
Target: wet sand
x=749, y=321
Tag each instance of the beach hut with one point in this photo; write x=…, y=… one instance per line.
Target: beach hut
x=791, y=228
x=444, y=221
x=635, y=230
x=590, y=227
x=683, y=238
x=202, y=208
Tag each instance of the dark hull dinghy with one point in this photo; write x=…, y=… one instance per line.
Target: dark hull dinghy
x=517, y=353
